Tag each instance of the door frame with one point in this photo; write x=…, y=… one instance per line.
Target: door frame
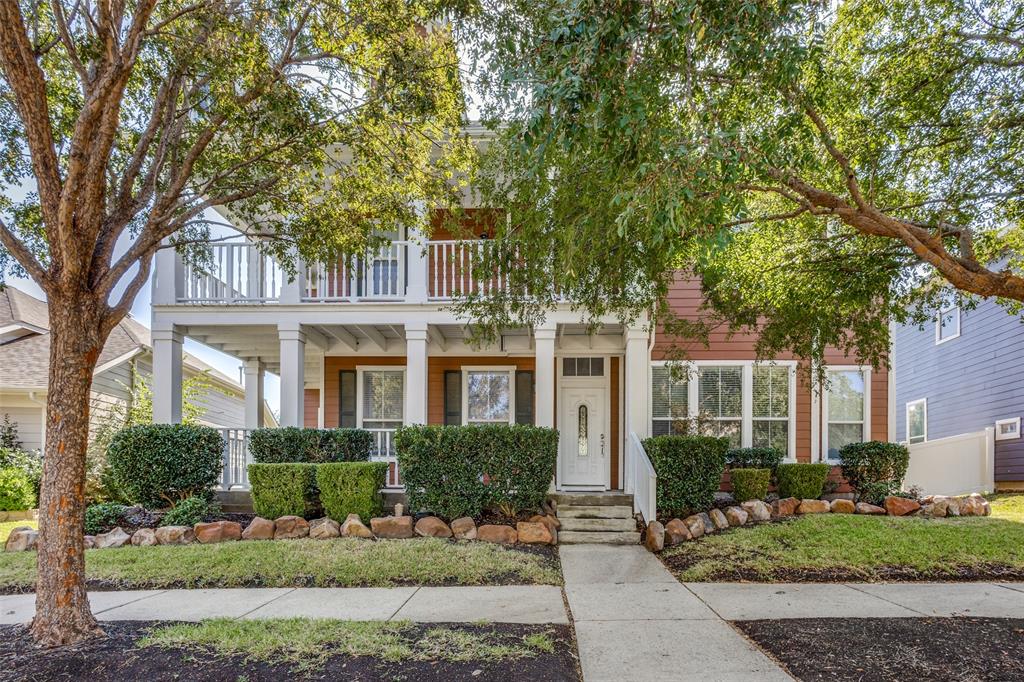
x=604, y=382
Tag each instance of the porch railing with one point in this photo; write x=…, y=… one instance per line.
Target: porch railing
x=236, y=272
x=235, y=471
x=379, y=275
x=384, y=451
x=641, y=479
x=453, y=271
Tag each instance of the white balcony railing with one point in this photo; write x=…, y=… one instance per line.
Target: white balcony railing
x=235, y=471
x=380, y=275
x=237, y=272
x=452, y=271
x=384, y=451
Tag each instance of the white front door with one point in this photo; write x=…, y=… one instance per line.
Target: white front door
x=584, y=444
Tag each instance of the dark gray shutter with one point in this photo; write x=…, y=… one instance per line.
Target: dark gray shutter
x=347, y=408
x=524, y=397
x=452, y=397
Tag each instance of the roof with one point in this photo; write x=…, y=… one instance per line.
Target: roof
x=24, y=361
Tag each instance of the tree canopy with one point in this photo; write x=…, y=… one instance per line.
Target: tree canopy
x=823, y=168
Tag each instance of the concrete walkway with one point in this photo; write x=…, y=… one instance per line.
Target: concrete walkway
x=635, y=621
x=504, y=604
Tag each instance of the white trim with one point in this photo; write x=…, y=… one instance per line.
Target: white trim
x=114, y=362
x=605, y=382
x=866, y=429
x=505, y=369
x=910, y=403
x=360, y=370
x=938, y=323
x=1001, y=422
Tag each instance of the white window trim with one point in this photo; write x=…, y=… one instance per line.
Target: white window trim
x=866, y=431
x=747, y=409
x=1015, y=421
x=923, y=402
x=506, y=369
x=362, y=369
x=938, y=324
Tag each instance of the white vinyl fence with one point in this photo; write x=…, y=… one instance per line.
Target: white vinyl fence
x=954, y=466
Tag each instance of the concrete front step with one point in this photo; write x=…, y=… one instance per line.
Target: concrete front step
x=592, y=499
x=591, y=512
x=583, y=537
x=569, y=524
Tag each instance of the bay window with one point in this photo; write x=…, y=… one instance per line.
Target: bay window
x=847, y=409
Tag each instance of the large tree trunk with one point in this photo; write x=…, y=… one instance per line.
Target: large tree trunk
x=62, y=608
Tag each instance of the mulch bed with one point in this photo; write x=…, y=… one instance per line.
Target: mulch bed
x=920, y=649
x=118, y=659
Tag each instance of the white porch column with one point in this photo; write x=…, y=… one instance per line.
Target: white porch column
x=544, y=376
x=168, y=277
x=637, y=366
x=416, y=290
x=416, y=373
x=293, y=369
x=293, y=291
x=253, y=394
x=166, y=375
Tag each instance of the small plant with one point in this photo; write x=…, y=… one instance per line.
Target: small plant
x=802, y=481
x=100, y=518
x=16, y=493
x=190, y=511
x=754, y=458
x=874, y=469
x=750, y=484
x=689, y=470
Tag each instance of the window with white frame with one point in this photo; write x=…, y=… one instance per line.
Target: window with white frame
x=947, y=322
x=382, y=405
x=670, y=403
x=771, y=407
x=488, y=395
x=720, y=399
x=917, y=421
x=846, y=411
x=1008, y=429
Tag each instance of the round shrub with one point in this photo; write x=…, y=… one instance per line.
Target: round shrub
x=351, y=488
x=283, y=490
x=100, y=518
x=158, y=465
x=689, y=470
x=754, y=458
x=292, y=444
x=750, y=484
x=190, y=511
x=874, y=469
x=16, y=492
x=802, y=481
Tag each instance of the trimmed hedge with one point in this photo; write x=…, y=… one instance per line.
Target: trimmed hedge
x=802, y=481
x=456, y=471
x=351, y=488
x=874, y=469
x=293, y=444
x=158, y=465
x=754, y=458
x=750, y=484
x=689, y=471
x=16, y=493
x=283, y=489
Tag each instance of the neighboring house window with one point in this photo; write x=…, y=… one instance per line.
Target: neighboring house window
x=1008, y=429
x=771, y=407
x=720, y=397
x=947, y=322
x=670, y=405
x=917, y=421
x=846, y=409
x=488, y=396
x=382, y=405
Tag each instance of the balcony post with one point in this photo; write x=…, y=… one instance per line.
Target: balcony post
x=416, y=373
x=544, y=343
x=416, y=289
x=168, y=276
x=293, y=368
x=294, y=290
x=636, y=381
x=166, y=375
x=253, y=394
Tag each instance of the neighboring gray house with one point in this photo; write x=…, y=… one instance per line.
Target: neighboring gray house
x=957, y=376
x=25, y=355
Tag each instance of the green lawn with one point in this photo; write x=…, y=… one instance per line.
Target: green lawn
x=849, y=547
x=338, y=563
x=7, y=526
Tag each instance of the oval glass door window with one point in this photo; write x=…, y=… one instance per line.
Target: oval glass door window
x=582, y=431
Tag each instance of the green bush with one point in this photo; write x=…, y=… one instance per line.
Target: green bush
x=689, y=470
x=754, y=458
x=191, y=511
x=874, y=469
x=311, y=446
x=16, y=493
x=802, y=481
x=29, y=462
x=351, y=488
x=457, y=471
x=100, y=518
x=750, y=484
x=158, y=465
x=283, y=489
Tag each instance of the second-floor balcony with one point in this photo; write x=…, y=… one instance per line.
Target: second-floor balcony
x=400, y=271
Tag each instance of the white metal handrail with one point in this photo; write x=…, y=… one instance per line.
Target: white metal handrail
x=235, y=470
x=641, y=479
x=237, y=272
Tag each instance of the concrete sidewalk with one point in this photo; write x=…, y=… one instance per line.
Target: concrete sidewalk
x=503, y=604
